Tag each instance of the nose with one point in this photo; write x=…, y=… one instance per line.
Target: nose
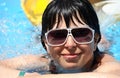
x=70, y=43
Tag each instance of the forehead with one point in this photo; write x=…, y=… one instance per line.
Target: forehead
x=72, y=24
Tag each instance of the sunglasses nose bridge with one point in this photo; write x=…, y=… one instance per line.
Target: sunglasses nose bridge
x=69, y=32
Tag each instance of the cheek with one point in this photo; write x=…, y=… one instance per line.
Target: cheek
x=87, y=49
x=89, y=52
x=54, y=51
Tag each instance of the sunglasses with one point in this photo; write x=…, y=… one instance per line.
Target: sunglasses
x=80, y=35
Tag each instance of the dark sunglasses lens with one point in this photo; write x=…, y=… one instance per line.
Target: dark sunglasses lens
x=82, y=34
x=56, y=37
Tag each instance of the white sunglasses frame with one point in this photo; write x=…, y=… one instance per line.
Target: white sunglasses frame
x=69, y=34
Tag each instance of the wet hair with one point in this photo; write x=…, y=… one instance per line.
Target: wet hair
x=69, y=9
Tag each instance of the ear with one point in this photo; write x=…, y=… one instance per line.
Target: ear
x=95, y=46
x=96, y=38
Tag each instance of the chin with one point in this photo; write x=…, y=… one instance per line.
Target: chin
x=69, y=68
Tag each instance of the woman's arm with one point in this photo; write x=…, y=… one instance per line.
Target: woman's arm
x=108, y=65
x=26, y=62
x=106, y=70
x=75, y=75
x=8, y=73
x=10, y=68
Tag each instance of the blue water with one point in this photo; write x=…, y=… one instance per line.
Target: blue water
x=112, y=33
x=18, y=36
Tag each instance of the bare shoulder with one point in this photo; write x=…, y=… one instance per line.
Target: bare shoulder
x=108, y=64
x=107, y=58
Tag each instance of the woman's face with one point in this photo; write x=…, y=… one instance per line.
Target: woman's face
x=72, y=55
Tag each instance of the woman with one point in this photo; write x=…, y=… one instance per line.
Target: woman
x=70, y=34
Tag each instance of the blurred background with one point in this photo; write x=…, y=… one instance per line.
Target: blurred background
x=17, y=34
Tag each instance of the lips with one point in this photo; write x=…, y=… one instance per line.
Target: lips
x=70, y=56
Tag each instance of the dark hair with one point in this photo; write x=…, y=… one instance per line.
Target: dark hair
x=69, y=8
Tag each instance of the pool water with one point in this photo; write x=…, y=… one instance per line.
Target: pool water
x=112, y=34
x=18, y=36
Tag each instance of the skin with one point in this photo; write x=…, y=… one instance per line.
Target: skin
x=25, y=62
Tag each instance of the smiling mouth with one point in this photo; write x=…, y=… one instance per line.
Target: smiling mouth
x=70, y=56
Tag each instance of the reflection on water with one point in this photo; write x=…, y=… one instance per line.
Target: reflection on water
x=17, y=34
